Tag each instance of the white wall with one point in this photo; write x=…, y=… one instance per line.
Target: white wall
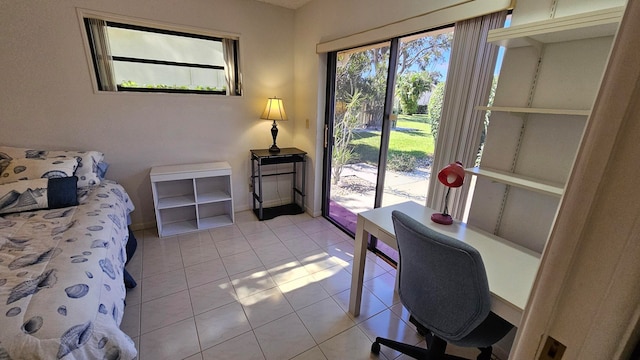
x=47, y=99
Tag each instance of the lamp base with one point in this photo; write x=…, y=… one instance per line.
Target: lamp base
x=274, y=133
x=274, y=149
x=444, y=219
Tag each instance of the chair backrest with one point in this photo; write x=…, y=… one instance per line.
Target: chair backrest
x=443, y=282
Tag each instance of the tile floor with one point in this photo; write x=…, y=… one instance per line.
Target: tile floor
x=276, y=289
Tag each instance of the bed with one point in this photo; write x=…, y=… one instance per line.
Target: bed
x=63, y=235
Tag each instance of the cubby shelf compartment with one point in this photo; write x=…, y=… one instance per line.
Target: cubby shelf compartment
x=520, y=181
x=528, y=110
x=192, y=197
x=567, y=28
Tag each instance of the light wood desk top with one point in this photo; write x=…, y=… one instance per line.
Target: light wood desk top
x=511, y=268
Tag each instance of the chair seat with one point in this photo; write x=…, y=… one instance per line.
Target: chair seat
x=490, y=331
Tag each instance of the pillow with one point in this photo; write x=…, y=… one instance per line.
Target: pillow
x=25, y=195
x=29, y=169
x=88, y=171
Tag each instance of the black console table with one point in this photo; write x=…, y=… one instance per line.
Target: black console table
x=262, y=157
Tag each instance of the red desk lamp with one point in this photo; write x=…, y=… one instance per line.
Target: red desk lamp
x=451, y=175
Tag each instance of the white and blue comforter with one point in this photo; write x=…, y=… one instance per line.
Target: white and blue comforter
x=61, y=280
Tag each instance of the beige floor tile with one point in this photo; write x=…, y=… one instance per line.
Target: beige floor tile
x=352, y=344
x=241, y=262
x=134, y=296
x=221, y=324
x=160, y=285
x=197, y=238
x=274, y=253
x=284, y=338
x=314, y=354
x=303, y=292
x=165, y=311
x=289, y=232
x=232, y=246
x=371, y=269
x=197, y=356
x=161, y=263
x=318, y=260
x=265, y=306
x=205, y=272
x=300, y=245
x=245, y=216
x=369, y=306
x=260, y=240
x=252, y=282
x=313, y=225
x=300, y=218
x=326, y=237
x=342, y=250
x=383, y=287
x=131, y=320
x=225, y=232
x=334, y=280
x=286, y=270
x=134, y=265
x=325, y=319
x=199, y=254
x=278, y=222
x=176, y=341
x=252, y=227
x=212, y=295
x=241, y=347
x=154, y=246
x=386, y=324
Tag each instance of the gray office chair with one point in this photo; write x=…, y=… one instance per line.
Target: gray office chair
x=443, y=285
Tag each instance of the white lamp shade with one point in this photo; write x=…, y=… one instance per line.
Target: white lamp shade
x=274, y=110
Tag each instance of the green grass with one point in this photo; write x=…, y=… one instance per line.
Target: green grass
x=411, y=137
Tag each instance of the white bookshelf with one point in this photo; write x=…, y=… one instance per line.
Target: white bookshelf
x=548, y=81
x=192, y=197
x=568, y=28
x=530, y=110
x=523, y=182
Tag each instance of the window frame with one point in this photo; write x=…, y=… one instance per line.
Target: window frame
x=160, y=28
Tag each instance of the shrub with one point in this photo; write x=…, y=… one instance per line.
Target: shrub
x=401, y=162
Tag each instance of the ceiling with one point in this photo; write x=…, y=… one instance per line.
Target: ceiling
x=290, y=4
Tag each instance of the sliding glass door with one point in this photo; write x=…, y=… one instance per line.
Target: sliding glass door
x=382, y=117
x=360, y=87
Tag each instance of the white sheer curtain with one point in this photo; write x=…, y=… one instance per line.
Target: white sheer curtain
x=104, y=62
x=468, y=85
x=228, y=49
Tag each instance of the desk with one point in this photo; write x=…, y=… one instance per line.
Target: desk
x=260, y=157
x=511, y=268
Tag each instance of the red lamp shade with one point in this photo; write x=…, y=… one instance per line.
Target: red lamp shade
x=451, y=175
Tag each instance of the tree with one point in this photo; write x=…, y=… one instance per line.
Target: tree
x=435, y=108
x=409, y=89
x=343, y=127
x=367, y=71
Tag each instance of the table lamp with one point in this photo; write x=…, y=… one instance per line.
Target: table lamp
x=274, y=111
x=451, y=175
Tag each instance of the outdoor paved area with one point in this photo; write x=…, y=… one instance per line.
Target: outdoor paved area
x=356, y=189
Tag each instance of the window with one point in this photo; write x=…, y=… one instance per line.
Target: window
x=129, y=57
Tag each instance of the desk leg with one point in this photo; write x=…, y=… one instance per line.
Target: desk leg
x=360, y=254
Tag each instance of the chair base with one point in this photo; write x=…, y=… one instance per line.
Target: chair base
x=435, y=349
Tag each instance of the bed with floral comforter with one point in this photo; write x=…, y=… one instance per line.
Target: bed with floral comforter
x=61, y=279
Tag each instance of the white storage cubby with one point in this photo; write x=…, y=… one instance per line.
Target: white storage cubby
x=192, y=197
x=547, y=85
